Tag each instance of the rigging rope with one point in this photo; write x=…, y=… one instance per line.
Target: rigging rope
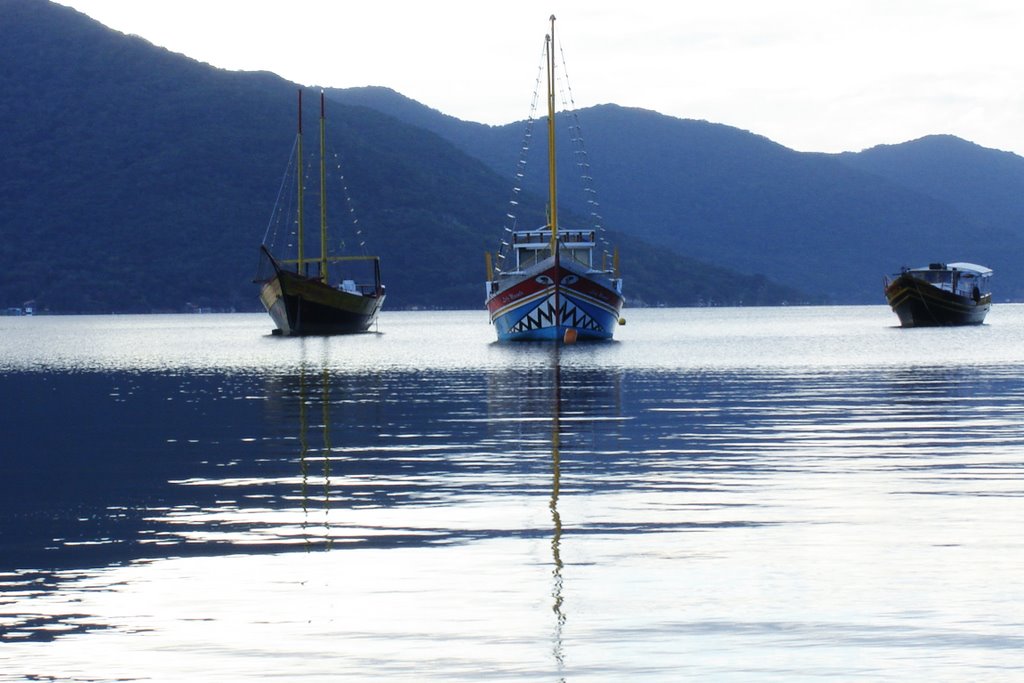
x=280, y=191
x=349, y=205
x=580, y=152
x=512, y=215
x=284, y=209
x=582, y=161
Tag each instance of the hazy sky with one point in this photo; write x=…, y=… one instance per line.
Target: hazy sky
x=814, y=75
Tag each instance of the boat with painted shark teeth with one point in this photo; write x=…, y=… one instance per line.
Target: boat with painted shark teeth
x=548, y=283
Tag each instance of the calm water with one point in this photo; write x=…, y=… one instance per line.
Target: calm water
x=777, y=494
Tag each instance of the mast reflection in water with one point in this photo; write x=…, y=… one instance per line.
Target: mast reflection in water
x=528, y=409
x=715, y=495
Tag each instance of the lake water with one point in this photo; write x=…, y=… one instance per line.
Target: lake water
x=766, y=494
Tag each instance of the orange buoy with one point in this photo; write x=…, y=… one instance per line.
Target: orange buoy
x=570, y=336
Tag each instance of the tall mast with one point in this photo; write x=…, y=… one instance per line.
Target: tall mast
x=300, y=264
x=552, y=194
x=323, y=197
x=552, y=189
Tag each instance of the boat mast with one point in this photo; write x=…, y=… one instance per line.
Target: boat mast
x=552, y=195
x=552, y=188
x=300, y=263
x=323, y=198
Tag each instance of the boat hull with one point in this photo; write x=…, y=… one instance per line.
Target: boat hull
x=920, y=304
x=302, y=306
x=530, y=307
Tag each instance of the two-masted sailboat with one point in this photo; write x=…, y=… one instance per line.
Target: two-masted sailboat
x=314, y=295
x=546, y=283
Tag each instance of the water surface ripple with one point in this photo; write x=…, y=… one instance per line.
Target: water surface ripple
x=719, y=494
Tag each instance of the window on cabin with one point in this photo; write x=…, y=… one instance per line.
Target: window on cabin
x=531, y=257
x=581, y=256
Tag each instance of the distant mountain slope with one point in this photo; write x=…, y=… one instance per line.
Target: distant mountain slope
x=983, y=184
x=120, y=188
x=804, y=219
x=136, y=179
x=141, y=180
x=825, y=223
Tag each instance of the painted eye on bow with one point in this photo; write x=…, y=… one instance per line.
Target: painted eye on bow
x=545, y=280
x=570, y=279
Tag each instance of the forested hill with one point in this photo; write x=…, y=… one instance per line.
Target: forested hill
x=136, y=179
x=831, y=224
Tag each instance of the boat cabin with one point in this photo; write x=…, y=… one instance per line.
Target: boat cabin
x=531, y=247
x=964, y=279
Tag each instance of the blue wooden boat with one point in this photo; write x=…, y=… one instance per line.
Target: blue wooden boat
x=549, y=284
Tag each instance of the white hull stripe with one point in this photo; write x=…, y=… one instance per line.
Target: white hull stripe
x=591, y=300
x=522, y=302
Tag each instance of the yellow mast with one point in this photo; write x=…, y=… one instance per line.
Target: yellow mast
x=300, y=264
x=552, y=189
x=552, y=196
x=323, y=198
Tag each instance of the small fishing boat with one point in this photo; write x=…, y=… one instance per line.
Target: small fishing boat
x=547, y=283
x=324, y=294
x=940, y=294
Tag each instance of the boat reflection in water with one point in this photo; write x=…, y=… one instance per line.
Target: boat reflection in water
x=325, y=453
x=548, y=406
x=336, y=485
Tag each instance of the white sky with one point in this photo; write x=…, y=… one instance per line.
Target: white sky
x=814, y=75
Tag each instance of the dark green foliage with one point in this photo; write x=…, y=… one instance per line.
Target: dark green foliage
x=135, y=179
x=138, y=180
x=121, y=188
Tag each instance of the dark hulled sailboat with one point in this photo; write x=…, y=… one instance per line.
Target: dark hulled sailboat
x=317, y=296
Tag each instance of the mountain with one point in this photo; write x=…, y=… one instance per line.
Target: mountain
x=984, y=185
x=139, y=180
x=831, y=224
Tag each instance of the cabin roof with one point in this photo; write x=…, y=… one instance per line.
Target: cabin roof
x=963, y=266
x=979, y=270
